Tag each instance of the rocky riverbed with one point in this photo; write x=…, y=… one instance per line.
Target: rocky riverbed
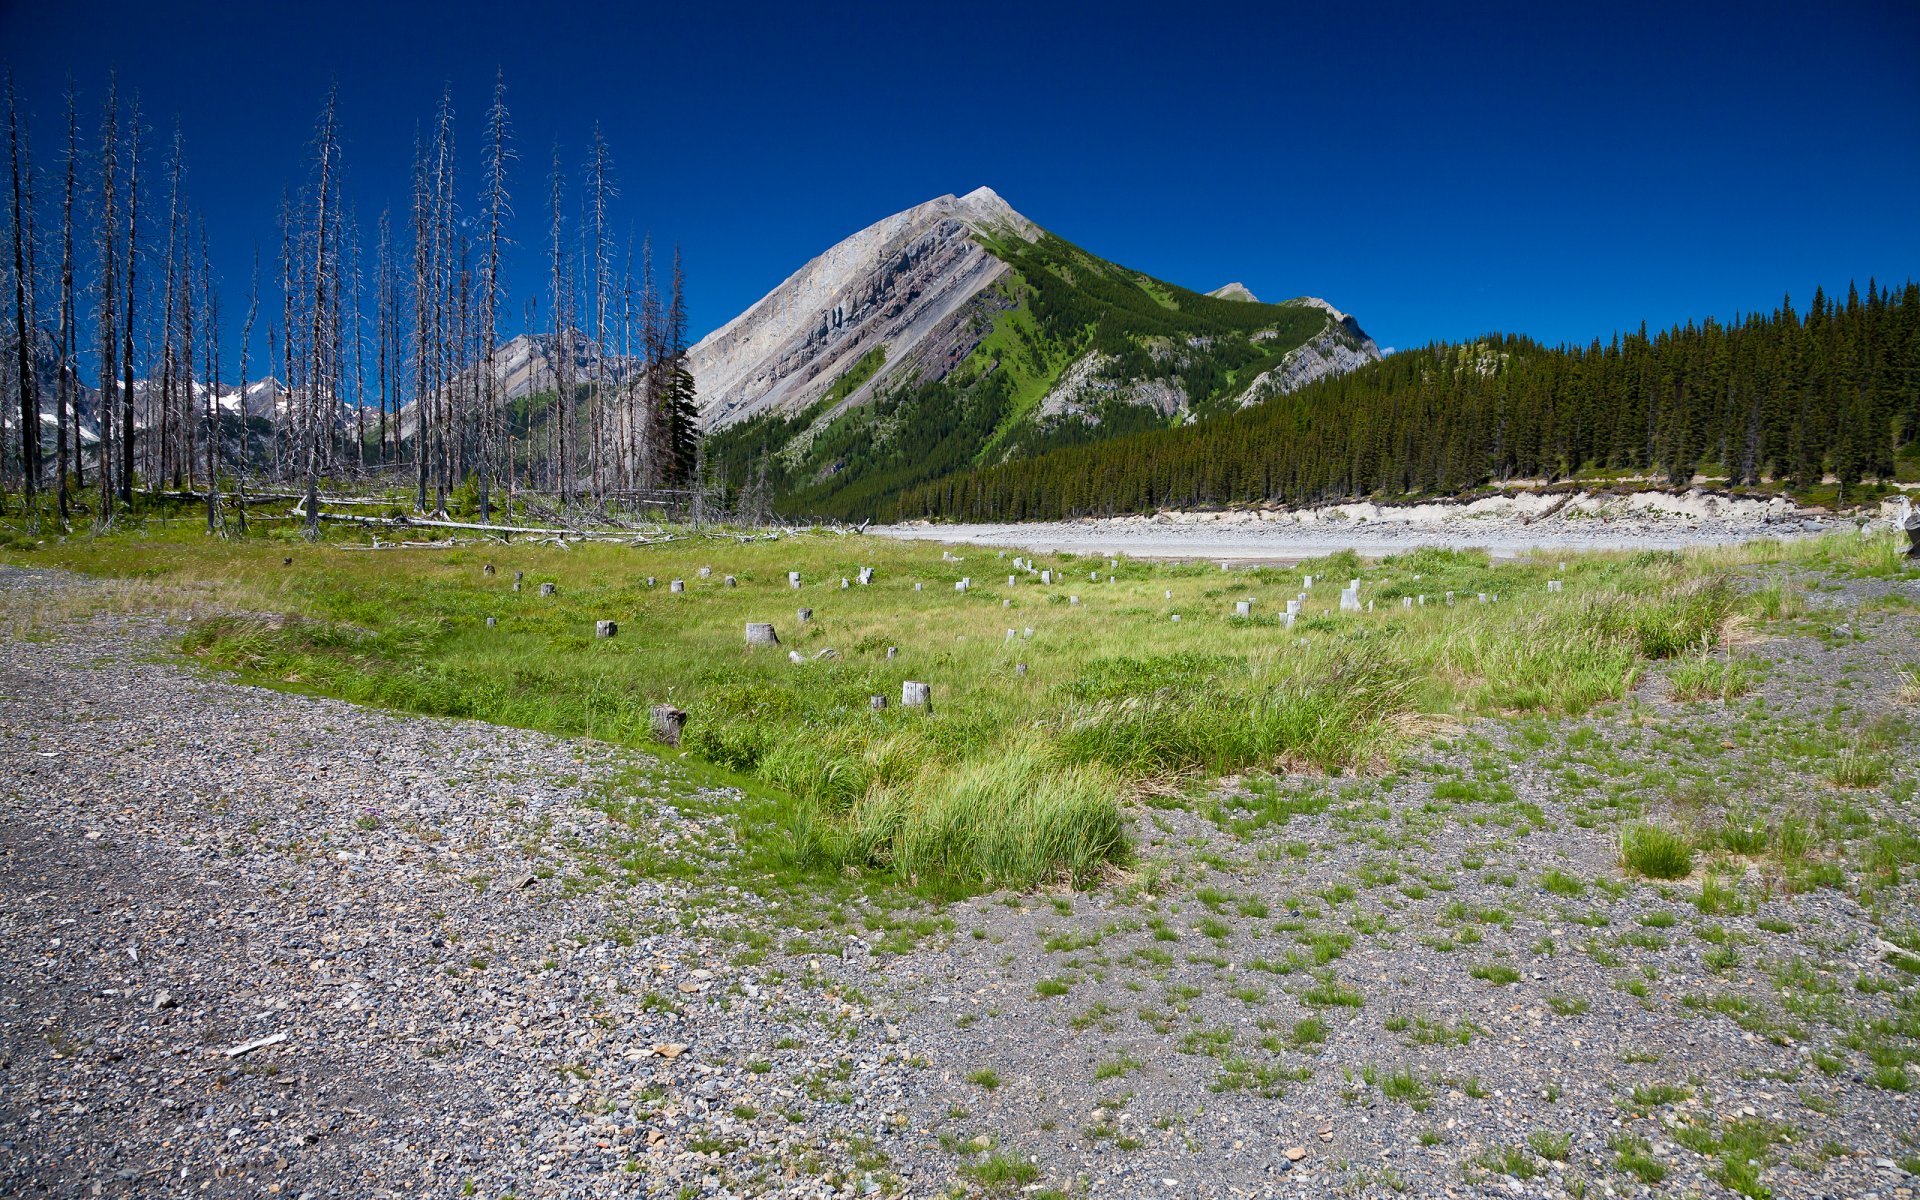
x=254, y=943
x=1505, y=526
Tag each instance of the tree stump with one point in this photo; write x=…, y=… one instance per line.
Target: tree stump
x=916, y=695
x=668, y=721
x=546, y=589
x=605, y=629
x=760, y=633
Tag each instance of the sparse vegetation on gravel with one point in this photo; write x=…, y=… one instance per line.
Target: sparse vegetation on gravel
x=1536, y=932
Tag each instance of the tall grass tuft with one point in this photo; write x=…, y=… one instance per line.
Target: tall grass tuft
x=1656, y=851
x=1018, y=820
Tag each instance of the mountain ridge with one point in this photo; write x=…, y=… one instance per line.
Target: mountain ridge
x=958, y=333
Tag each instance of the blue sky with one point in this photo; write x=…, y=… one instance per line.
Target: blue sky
x=1437, y=170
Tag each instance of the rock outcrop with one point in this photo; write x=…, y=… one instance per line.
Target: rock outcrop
x=904, y=283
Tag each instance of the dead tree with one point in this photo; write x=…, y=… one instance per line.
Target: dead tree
x=22, y=291
x=326, y=149
x=210, y=304
x=65, y=378
x=109, y=315
x=499, y=152
x=127, y=308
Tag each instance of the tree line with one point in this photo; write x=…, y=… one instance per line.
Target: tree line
x=383, y=368
x=1828, y=396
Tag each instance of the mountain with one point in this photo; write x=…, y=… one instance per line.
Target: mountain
x=1234, y=291
x=958, y=334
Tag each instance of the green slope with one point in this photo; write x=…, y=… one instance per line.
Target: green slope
x=1195, y=354
x=1825, y=405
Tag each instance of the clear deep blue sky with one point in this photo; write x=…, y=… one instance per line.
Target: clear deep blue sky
x=1439, y=171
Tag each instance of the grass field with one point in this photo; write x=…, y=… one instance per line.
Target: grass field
x=1015, y=777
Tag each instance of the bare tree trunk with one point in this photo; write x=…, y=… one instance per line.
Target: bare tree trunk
x=160, y=449
x=212, y=305
x=22, y=290
x=422, y=307
x=246, y=340
x=133, y=258
x=321, y=212
x=498, y=153
x=562, y=351
x=109, y=315
x=63, y=384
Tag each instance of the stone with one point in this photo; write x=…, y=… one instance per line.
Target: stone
x=1309, y=583
x=1046, y=577
x=961, y=586
x=892, y=651
x=1296, y=1153
x=793, y=579
x=828, y=652
x=866, y=576
x=845, y=583
x=1176, y=618
x=1012, y=580
x=492, y=621
x=1020, y=669
x=487, y=570
x=1242, y=608
x=678, y=585
x=705, y=572
x=1912, y=527
x=805, y=615
x=917, y=586
x=1073, y=600
x=760, y=633
x=794, y=656
x=877, y=703
x=732, y=582
x=605, y=629
x=668, y=721
x=163, y=999
x=650, y=581
x=546, y=589
x=916, y=695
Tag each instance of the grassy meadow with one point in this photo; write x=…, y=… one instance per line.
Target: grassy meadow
x=1014, y=777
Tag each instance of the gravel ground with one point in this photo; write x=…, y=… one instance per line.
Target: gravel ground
x=1241, y=539
x=1337, y=987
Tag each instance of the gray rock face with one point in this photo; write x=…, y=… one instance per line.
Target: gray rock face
x=904, y=283
x=1343, y=347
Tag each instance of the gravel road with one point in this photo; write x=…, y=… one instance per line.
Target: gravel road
x=257, y=943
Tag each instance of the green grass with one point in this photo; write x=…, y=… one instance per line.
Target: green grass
x=1656, y=852
x=1011, y=780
